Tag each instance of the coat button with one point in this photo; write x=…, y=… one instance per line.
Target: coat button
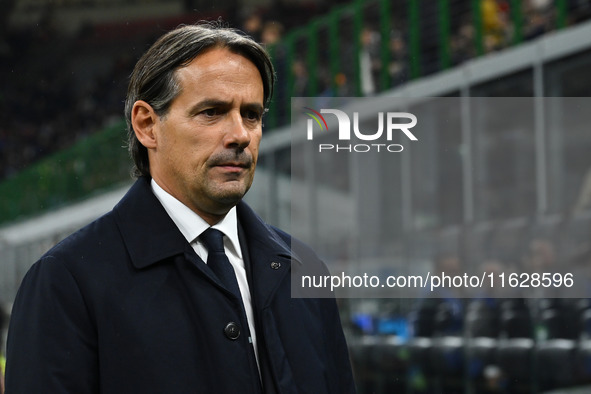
x=275, y=265
x=232, y=331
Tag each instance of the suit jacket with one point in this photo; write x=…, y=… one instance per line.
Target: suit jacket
x=125, y=305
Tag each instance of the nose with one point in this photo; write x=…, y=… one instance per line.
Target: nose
x=237, y=133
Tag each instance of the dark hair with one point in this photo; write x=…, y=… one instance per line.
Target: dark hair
x=154, y=76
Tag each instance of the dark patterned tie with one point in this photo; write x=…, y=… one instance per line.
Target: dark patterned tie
x=218, y=261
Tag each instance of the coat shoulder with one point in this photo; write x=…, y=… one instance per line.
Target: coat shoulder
x=90, y=240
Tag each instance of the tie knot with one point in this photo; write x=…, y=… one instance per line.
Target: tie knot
x=213, y=240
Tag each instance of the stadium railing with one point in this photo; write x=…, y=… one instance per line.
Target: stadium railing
x=91, y=165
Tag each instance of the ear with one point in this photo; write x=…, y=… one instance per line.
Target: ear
x=143, y=120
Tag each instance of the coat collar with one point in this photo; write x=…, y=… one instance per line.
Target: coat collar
x=151, y=235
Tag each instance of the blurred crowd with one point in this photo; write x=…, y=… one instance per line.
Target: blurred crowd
x=59, y=87
x=47, y=103
x=500, y=29
x=56, y=92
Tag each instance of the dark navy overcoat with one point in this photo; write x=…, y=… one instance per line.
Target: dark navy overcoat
x=126, y=306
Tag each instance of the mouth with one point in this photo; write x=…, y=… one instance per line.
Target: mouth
x=232, y=165
x=231, y=162
x=235, y=168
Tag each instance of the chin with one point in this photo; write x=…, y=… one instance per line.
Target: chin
x=230, y=197
x=227, y=193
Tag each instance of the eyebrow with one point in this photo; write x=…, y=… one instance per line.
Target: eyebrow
x=206, y=103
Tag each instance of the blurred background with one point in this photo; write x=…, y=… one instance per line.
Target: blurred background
x=481, y=194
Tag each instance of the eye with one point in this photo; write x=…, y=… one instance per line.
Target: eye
x=210, y=112
x=253, y=115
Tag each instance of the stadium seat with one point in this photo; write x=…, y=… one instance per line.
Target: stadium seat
x=480, y=354
x=555, y=364
x=515, y=358
x=447, y=361
x=516, y=323
x=362, y=360
x=585, y=324
x=420, y=369
x=583, y=362
x=391, y=357
x=482, y=319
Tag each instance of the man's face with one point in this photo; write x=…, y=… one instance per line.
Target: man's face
x=206, y=146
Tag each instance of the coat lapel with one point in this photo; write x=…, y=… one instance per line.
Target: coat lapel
x=150, y=234
x=270, y=256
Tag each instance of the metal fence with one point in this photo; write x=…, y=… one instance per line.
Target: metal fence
x=95, y=163
x=368, y=47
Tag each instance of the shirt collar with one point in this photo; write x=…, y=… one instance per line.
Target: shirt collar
x=191, y=225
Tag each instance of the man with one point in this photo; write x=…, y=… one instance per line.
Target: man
x=136, y=302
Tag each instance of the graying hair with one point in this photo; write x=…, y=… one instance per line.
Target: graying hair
x=154, y=81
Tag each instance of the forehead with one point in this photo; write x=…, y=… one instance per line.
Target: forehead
x=219, y=69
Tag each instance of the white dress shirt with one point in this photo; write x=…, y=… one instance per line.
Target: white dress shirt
x=191, y=225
